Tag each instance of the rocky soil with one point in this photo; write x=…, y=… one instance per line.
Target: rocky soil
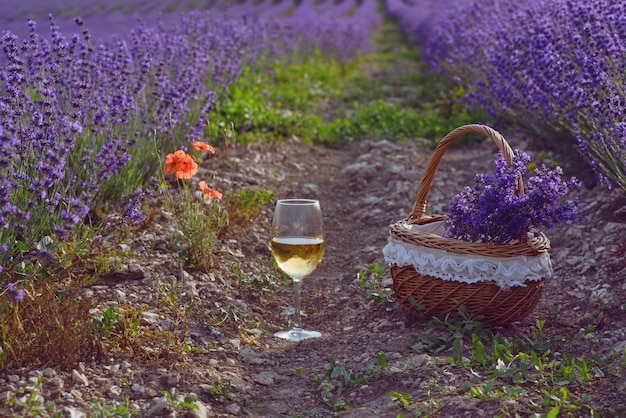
x=238, y=368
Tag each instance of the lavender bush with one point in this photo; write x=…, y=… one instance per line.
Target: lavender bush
x=496, y=211
x=71, y=114
x=417, y=17
x=77, y=117
x=555, y=68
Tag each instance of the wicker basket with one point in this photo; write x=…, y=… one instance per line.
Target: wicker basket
x=485, y=300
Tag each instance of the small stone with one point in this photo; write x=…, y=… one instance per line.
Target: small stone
x=100, y=381
x=158, y=408
x=206, y=388
x=126, y=367
x=354, y=168
x=120, y=295
x=137, y=271
x=612, y=227
x=79, y=378
x=252, y=357
x=191, y=288
x=202, y=410
x=169, y=380
x=136, y=387
x=77, y=395
x=75, y=413
x=149, y=318
x=55, y=384
x=233, y=409
x=49, y=372
x=5, y=396
x=114, y=392
x=574, y=233
x=288, y=311
x=265, y=378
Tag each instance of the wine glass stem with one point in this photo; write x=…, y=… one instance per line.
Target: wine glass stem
x=297, y=287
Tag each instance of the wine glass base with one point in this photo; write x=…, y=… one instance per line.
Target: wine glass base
x=297, y=334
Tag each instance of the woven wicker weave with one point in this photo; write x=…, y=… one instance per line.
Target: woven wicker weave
x=430, y=296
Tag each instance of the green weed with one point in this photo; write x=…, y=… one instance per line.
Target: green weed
x=337, y=380
x=265, y=278
x=529, y=376
x=176, y=300
x=244, y=205
x=369, y=279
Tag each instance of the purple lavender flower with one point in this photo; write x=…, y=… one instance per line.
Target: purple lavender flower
x=16, y=294
x=19, y=295
x=496, y=211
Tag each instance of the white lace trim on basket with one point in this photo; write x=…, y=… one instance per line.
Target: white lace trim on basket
x=506, y=272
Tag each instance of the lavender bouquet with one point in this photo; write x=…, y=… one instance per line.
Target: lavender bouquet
x=495, y=211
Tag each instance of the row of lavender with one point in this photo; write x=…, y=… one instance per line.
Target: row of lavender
x=76, y=112
x=556, y=68
x=118, y=16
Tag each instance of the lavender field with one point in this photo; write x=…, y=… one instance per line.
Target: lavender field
x=118, y=17
x=553, y=68
x=112, y=111
x=93, y=100
x=92, y=90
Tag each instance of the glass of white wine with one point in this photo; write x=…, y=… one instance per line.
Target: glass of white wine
x=297, y=246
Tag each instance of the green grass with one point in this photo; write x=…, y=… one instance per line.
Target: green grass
x=386, y=95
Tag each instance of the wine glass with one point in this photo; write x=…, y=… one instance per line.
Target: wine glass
x=297, y=246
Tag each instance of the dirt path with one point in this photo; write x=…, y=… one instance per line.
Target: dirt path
x=362, y=187
x=354, y=330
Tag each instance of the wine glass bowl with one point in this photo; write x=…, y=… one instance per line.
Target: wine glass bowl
x=297, y=246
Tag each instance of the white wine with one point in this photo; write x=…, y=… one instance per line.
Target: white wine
x=297, y=246
x=297, y=256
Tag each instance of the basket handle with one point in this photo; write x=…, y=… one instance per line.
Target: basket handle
x=420, y=202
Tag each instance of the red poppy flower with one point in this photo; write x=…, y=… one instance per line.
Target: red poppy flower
x=210, y=193
x=202, y=147
x=181, y=164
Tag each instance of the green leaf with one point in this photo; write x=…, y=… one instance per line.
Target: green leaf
x=457, y=350
x=190, y=405
x=382, y=359
x=554, y=412
x=21, y=246
x=479, y=350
